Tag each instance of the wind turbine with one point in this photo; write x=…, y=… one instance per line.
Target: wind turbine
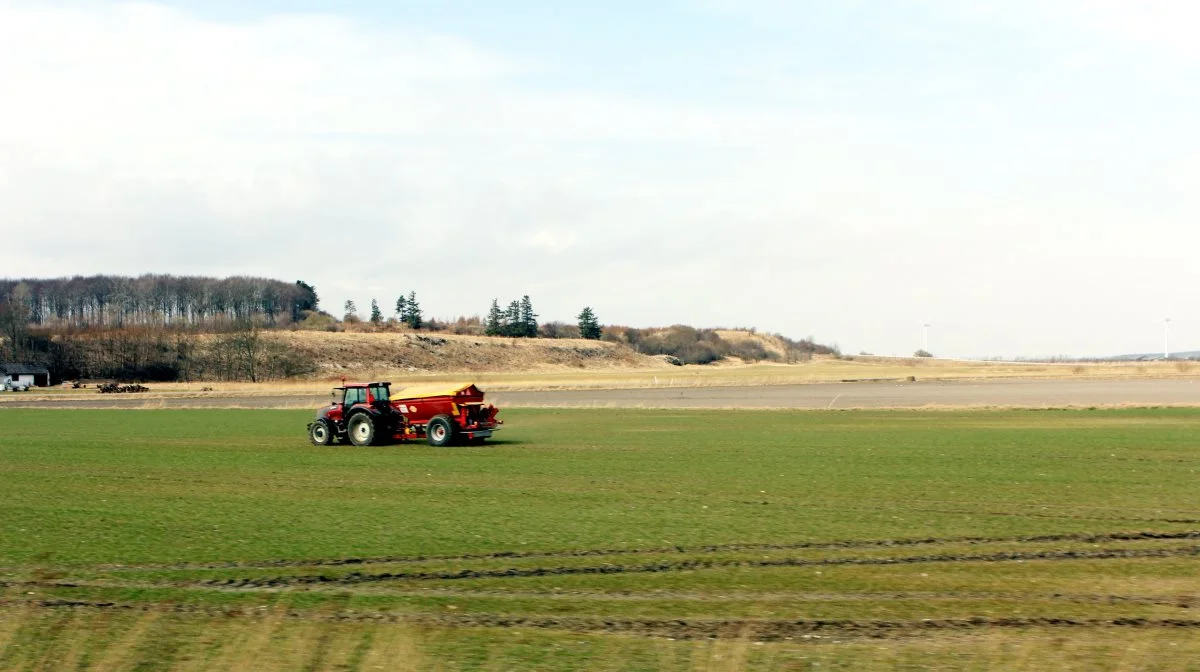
x=1166, y=335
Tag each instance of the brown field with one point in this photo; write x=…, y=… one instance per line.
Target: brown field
x=509, y=364
x=824, y=383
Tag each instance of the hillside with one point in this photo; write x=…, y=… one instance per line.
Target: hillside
x=359, y=354
x=773, y=346
x=158, y=355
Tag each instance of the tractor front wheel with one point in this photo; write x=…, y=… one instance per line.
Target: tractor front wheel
x=361, y=430
x=320, y=433
x=440, y=431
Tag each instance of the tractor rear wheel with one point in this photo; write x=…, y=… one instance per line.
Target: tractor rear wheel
x=320, y=433
x=440, y=431
x=361, y=430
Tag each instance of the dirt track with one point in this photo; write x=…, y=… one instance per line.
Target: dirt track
x=1003, y=393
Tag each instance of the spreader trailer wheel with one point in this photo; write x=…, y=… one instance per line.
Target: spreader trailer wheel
x=440, y=431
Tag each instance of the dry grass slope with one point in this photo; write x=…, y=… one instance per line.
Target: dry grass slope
x=408, y=354
x=772, y=344
x=360, y=354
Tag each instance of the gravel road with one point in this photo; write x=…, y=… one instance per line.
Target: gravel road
x=1019, y=393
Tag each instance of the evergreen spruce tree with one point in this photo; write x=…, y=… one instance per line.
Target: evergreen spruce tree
x=589, y=326
x=512, y=319
x=528, y=318
x=309, y=299
x=351, y=310
x=495, y=320
x=376, y=314
x=401, y=308
x=414, y=311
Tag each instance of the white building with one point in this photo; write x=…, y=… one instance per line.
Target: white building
x=20, y=374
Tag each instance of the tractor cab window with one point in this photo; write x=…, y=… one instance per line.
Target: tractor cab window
x=379, y=392
x=356, y=395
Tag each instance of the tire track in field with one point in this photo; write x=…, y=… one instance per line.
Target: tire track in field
x=665, y=550
x=1183, y=601
x=686, y=565
x=807, y=630
x=1056, y=516
x=813, y=630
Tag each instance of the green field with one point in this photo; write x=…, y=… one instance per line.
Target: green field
x=604, y=539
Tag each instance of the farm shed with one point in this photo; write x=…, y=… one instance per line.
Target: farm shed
x=23, y=373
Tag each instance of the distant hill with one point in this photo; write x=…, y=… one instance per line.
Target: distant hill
x=689, y=345
x=360, y=354
x=146, y=354
x=357, y=353
x=165, y=327
x=1150, y=357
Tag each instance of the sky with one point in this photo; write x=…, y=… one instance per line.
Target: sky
x=1020, y=175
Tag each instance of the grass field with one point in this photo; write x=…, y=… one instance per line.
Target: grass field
x=604, y=539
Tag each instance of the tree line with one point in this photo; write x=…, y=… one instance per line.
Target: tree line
x=155, y=300
x=517, y=320
x=244, y=353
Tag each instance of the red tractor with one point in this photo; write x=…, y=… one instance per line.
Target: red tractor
x=366, y=414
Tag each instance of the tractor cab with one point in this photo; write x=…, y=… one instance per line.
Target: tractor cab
x=371, y=394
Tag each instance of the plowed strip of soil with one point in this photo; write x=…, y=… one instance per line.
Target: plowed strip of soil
x=1181, y=601
x=692, y=565
x=717, y=548
x=814, y=630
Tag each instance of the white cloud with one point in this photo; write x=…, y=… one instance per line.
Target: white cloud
x=141, y=69
x=553, y=242
x=1161, y=25
x=138, y=138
